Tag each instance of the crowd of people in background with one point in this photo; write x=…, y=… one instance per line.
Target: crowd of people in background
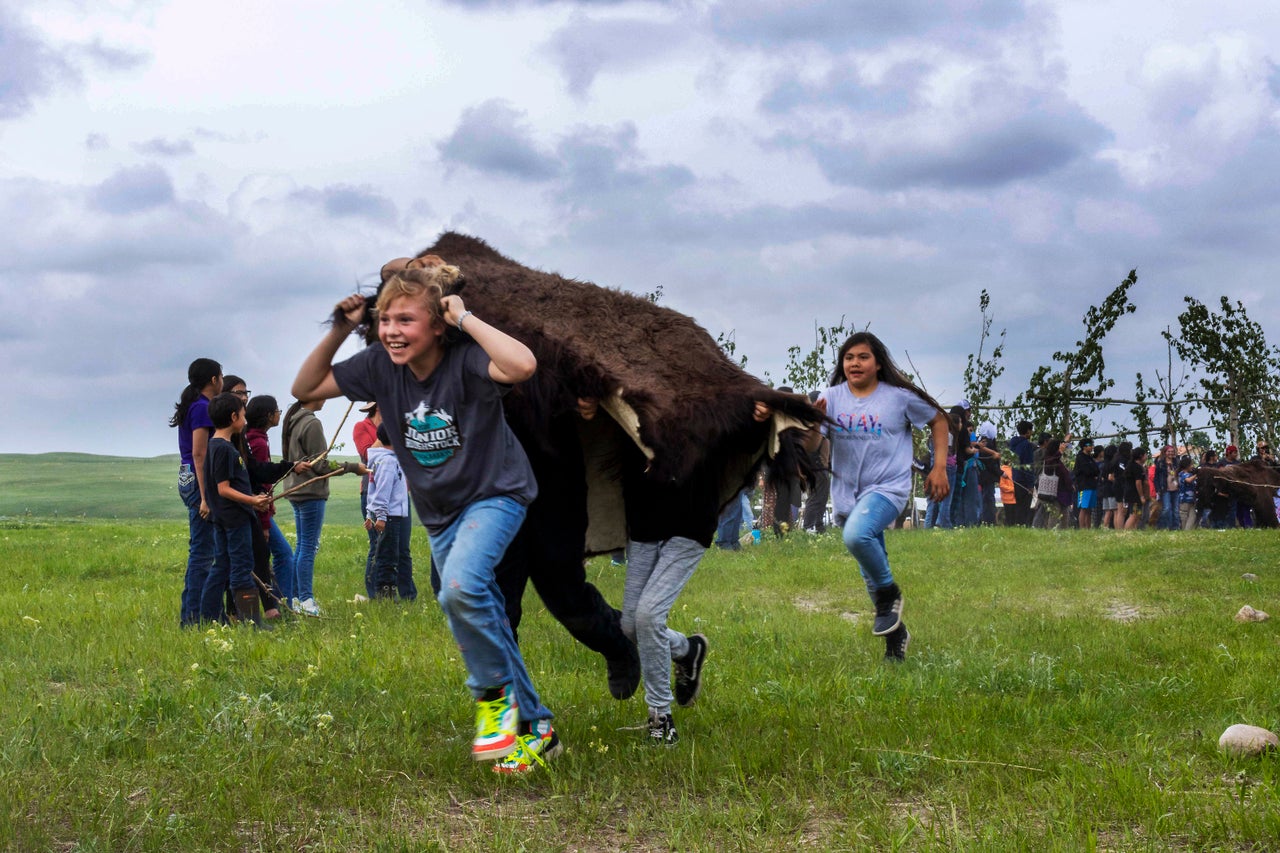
x=1060, y=482
x=1040, y=481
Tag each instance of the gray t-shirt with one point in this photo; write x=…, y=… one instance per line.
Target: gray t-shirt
x=448, y=431
x=871, y=442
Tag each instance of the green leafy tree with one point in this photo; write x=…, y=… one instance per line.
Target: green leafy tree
x=1240, y=370
x=1078, y=376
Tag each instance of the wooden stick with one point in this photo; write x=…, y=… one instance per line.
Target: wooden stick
x=338, y=431
x=303, y=485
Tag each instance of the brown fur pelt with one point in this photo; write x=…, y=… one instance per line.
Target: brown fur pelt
x=1252, y=483
x=594, y=342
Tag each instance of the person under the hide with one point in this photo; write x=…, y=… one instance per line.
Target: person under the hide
x=233, y=507
x=670, y=525
x=871, y=408
x=440, y=392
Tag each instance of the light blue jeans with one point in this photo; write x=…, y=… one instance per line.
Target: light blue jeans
x=281, y=560
x=938, y=513
x=466, y=553
x=864, y=537
x=308, y=518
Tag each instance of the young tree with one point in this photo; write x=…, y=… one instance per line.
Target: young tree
x=1078, y=374
x=728, y=342
x=1142, y=411
x=1240, y=369
x=811, y=372
x=979, y=372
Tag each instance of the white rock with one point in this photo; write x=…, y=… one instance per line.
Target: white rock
x=1248, y=614
x=1247, y=740
x=1249, y=576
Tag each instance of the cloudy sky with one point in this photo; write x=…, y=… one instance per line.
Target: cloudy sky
x=183, y=179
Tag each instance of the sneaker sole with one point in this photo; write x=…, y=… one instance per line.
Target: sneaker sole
x=896, y=623
x=492, y=752
x=551, y=753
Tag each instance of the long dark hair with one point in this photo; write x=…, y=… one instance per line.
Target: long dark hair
x=888, y=371
x=258, y=411
x=200, y=373
x=288, y=424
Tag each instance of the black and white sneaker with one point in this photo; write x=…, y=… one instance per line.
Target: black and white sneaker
x=689, y=671
x=895, y=643
x=662, y=729
x=888, y=610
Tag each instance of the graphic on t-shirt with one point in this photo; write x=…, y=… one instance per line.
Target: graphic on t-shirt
x=866, y=424
x=431, y=435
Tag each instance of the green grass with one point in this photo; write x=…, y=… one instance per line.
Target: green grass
x=1064, y=691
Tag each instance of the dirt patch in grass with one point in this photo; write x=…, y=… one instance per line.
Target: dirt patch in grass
x=1119, y=612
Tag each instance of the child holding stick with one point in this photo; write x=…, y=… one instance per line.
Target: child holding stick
x=233, y=507
x=438, y=375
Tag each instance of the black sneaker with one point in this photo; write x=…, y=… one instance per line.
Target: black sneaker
x=624, y=674
x=689, y=671
x=895, y=643
x=662, y=729
x=888, y=610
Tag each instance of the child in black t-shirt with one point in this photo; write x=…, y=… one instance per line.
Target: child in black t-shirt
x=232, y=504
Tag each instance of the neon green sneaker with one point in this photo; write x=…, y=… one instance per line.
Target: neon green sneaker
x=496, y=723
x=537, y=747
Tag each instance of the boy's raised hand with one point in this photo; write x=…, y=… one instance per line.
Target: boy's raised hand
x=451, y=308
x=350, y=309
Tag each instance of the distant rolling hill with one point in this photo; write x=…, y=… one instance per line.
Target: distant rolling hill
x=83, y=485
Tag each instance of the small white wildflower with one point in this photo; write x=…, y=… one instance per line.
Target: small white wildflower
x=323, y=720
x=195, y=666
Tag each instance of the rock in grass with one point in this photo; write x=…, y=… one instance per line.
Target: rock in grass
x=1249, y=576
x=1247, y=740
x=1248, y=614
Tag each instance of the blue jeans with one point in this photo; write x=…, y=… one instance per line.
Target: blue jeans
x=466, y=553
x=308, y=517
x=1169, y=517
x=232, y=566
x=392, y=561
x=281, y=560
x=864, y=537
x=730, y=526
x=199, y=547
x=966, y=507
x=938, y=513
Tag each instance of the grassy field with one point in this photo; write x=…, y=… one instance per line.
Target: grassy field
x=1064, y=691
x=86, y=486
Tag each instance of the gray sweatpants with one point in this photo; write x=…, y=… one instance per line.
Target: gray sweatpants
x=656, y=572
